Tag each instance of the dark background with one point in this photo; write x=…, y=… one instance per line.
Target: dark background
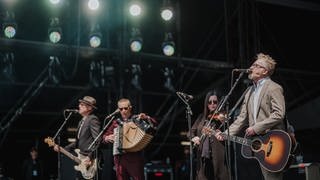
x=211, y=38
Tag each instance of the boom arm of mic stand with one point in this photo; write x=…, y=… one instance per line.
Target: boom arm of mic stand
x=235, y=106
x=62, y=125
x=101, y=132
x=230, y=92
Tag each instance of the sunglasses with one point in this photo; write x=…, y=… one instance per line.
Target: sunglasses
x=213, y=102
x=123, y=108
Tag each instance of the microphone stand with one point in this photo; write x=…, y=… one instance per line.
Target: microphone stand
x=104, y=128
x=188, y=116
x=58, y=142
x=226, y=98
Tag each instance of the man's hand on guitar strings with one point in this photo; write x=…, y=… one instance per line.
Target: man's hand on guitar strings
x=250, y=131
x=219, y=136
x=87, y=162
x=56, y=148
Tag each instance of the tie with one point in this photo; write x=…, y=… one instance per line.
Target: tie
x=81, y=124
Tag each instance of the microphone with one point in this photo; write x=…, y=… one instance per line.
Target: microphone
x=72, y=110
x=112, y=114
x=184, y=95
x=242, y=70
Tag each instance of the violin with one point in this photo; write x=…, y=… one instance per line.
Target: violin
x=218, y=116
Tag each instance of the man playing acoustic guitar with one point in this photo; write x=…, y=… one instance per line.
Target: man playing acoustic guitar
x=263, y=110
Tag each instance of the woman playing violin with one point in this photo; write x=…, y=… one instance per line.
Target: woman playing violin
x=210, y=152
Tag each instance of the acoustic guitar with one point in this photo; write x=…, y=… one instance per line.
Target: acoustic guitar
x=272, y=150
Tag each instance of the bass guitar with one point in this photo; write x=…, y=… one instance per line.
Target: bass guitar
x=272, y=150
x=88, y=172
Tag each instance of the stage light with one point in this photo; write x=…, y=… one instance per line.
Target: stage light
x=167, y=14
x=136, y=46
x=9, y=31
x=95, y=41
x=95, y=36
x=9, y=25
x=54, y=1
x=168, y=46
x=135, y=9
x=136, y=40
x=93, y=4
x=54, y=31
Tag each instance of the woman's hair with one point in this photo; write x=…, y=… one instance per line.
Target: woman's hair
x=206, y=100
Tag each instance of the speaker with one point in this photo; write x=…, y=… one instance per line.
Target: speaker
x=303, y=171
x=158, y=171
x=67, y=168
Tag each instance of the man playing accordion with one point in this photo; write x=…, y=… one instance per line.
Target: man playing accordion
x=129, y=162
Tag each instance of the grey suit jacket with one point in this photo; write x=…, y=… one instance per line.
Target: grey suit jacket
x=270, y=113
x=88, y=132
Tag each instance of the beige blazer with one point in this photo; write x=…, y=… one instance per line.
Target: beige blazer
x=270, y=112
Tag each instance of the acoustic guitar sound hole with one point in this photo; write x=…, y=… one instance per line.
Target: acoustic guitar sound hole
x=256, y=144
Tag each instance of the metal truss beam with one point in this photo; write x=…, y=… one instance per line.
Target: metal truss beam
x=61, y=49
x=294, y=4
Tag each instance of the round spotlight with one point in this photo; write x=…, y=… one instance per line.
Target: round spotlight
x=166, y=14
x=95, y=41
x=135, y=10
x=168, y=49
x=9, y=31
x=54, y=36
x=93, y=4
x=136, y=46
x=54, y=1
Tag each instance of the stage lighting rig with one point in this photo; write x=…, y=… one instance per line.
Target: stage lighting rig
x=9, y=25
x=168, y=45
x=54, y=31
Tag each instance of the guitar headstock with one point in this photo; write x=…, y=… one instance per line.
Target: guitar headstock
x=49, y=141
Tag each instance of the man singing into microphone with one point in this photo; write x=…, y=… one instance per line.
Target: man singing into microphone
x=128, y=164
x=263, y=107
x=88, y=129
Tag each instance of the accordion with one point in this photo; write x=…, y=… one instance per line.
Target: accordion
x=132, y=136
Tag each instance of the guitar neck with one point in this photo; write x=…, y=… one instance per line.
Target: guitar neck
x=71, y=156
x=237, y=139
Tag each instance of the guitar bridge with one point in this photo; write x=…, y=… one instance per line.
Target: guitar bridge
x=269, y=149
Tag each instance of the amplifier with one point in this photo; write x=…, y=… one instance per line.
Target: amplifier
x=303, y=171
x=158, y=171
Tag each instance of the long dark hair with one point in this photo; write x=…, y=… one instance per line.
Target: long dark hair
x=206, y=100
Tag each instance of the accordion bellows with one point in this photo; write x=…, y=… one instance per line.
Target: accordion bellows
x=134, y=138
x=130, y=138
